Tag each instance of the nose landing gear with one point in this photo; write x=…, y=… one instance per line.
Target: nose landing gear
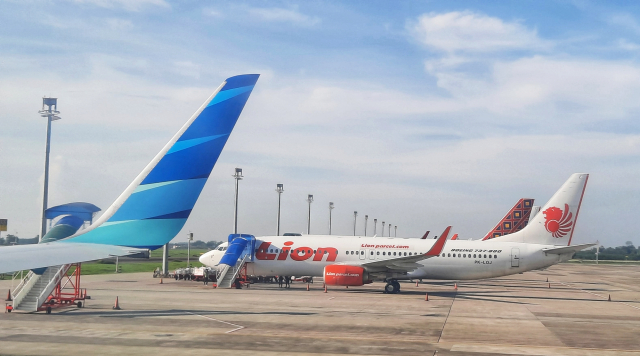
x=392, y=287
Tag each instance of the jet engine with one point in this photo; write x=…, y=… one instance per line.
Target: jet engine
x=344, y=275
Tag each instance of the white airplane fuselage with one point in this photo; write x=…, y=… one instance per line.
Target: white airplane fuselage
x=459, y=260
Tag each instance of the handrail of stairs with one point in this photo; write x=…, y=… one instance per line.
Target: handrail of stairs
x=53, y=281
x=15, y=294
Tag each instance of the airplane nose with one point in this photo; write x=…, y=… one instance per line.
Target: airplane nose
x=202, y=258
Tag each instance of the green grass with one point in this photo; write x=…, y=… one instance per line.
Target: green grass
x=127, y=267
x=605, y=262
x=179, y=253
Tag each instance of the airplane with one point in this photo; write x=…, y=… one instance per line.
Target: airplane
x=349, y=261
x=156, y=205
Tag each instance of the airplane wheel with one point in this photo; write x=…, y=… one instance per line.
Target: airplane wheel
x=396, y=287
x=389, y=288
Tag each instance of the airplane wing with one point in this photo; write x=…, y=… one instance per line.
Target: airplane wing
x=155, y=206
x=406, y=263
x=21, y=257
x=567, y=249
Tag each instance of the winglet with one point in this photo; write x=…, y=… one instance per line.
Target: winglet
x=425, y=235
x=439, y=245
x=454, y=237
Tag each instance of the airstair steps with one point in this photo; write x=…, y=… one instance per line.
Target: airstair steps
x=35, y=289
x=228, y=274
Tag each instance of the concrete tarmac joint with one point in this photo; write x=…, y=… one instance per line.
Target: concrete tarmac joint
x=514, y=315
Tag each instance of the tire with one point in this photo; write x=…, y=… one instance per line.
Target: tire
x=389, y=288
x=396, y=287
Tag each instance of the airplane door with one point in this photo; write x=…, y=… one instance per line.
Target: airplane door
x=515, y=257
x=371, y=254
x=363, y=254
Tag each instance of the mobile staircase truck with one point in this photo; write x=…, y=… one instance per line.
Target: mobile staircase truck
x=233, y=271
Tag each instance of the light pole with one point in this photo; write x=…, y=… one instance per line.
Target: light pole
x=366, y=218
x=389, y=229
x=310, y=200
x=355, y=217
x=382, y=229
x=189, y=239
x=50, y=113
x=375, y=226
x=330, y=208
x=395, y=231
x=238, y=177
x=279, y=189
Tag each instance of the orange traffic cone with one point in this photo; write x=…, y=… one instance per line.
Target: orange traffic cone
x=307, y=286
x=455, y=286
x=160, y=280
x=347, y=287
x=609, y=297
x=325, y=288
x=416, y=283
x=426, y=297
x=549, y=285
x=117, y=305
x=547, y=279
x=9, y=299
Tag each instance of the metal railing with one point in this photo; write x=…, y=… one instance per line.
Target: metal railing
x=16, y=294
x=55, y=279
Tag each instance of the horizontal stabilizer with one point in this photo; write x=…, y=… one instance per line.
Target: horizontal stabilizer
x=25, y=257
x=567, y=249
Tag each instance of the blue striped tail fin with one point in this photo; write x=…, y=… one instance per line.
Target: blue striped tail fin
x=156, y=205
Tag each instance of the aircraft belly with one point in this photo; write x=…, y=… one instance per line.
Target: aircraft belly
x=288, y=268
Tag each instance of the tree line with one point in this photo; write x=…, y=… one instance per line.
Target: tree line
x=628, y=252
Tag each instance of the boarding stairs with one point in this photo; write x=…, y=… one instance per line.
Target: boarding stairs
x=228, y=274
x=35, y=289
x=233, y=264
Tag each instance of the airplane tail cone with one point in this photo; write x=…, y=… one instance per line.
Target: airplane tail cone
x=116, y=306
x=9, y=299
x=426, y=297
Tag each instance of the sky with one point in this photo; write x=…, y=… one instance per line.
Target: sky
x=419, y=113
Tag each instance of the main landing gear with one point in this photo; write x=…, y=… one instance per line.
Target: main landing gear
x=392, y=287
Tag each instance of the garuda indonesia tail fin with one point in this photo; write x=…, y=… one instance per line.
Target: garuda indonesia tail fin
x=156, y=205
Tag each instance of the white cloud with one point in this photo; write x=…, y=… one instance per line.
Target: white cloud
x=472, y=32
x=292, y=15
x=625, y=20
x=129, y=5
x=627, y=45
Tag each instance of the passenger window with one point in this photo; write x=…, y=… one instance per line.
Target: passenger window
x=405, y=253
x=485, y=256
x=489, y=256
x=378, y=253
x=394, y=253
x=465, y=255
x=383, y=254
x=495, y=256
x=448, y=255
x=474, y=255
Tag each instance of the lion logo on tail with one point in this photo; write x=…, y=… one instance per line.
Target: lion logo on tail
x=557, y=222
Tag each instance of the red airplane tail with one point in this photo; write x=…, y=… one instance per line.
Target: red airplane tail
x=515, y=220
